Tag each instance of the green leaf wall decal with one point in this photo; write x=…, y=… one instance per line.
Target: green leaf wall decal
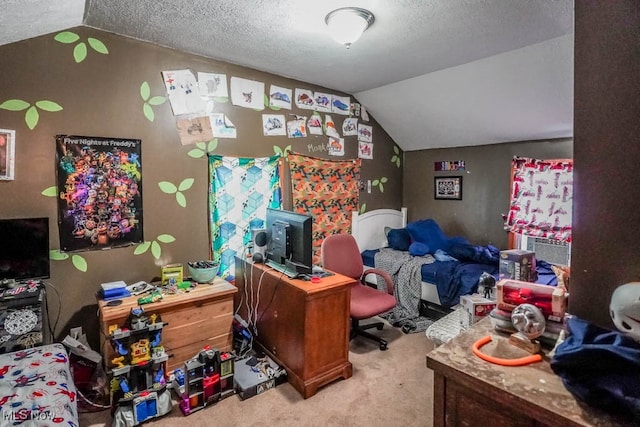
x=80, y=52
x=142, y=248
x=166, y=238
x=363, y=208
x=56, y=255
x=156, y=250
x=203, y=148
x=98, y=46
x=79, y=262
x=66, y=37
x=221, y=99
x=182, y=201
x=145, y=91
x=167, y=187
x=148, y=112
x=48, y=106
x=14, y=105
x=186, y=184
x=50, y=192
x=31, y=117
x=157, y=100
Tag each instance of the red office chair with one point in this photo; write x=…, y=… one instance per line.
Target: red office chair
x=340, y=254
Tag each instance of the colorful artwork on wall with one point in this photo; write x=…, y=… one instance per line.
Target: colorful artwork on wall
x=326, y=189
x=100, y=192
x=240, y=191
x=7, y=153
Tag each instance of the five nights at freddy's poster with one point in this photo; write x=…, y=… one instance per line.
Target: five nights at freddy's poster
x=100, y=192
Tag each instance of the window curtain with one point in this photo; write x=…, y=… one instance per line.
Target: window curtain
x=326, y=189
x=541, y=198
x=240, y=191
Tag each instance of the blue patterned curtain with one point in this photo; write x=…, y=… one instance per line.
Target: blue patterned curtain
x=240, y=191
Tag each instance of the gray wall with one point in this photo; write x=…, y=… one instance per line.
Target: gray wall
x=485, y=186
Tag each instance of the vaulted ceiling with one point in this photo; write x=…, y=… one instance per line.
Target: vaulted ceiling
x=433, y=73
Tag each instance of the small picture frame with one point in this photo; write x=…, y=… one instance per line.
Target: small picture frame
x=447, y=187
x=7, y=154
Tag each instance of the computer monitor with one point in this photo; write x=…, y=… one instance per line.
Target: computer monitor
x=290, y=239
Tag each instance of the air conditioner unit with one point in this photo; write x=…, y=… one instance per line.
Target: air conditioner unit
x=550, y=250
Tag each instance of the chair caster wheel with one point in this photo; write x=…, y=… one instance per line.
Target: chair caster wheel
x=383, y=346
x=379, y=327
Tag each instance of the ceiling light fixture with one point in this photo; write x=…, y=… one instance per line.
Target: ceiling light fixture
x=347, y=24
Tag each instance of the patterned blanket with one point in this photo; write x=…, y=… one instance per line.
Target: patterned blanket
x=404, y=269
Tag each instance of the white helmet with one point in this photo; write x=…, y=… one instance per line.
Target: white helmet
x=625, y=309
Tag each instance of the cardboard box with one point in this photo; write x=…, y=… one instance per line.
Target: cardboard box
x=551, y=300
x=476, y=307
x=518, y=264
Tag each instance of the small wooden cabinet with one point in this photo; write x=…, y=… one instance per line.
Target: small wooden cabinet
x=200, y=317
x=469, y=391
x=303, y=326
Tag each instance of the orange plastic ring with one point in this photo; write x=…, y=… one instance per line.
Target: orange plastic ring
x=500, y=361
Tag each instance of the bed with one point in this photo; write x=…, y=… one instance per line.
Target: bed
x=442, y=281
x=36, y=387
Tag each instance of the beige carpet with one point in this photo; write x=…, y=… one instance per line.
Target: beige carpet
x=388, y=388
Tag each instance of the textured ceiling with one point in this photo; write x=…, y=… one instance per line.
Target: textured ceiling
x=434, y=73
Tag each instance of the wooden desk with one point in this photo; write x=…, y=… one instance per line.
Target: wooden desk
x=303, y=326
x=200, y=317
x=471, y=391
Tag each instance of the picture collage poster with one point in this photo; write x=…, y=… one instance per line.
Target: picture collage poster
x=99, y=184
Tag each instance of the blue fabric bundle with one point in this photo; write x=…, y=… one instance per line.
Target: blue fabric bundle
x=600, y=367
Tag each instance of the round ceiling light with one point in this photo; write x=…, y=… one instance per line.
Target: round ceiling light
x=347, y=24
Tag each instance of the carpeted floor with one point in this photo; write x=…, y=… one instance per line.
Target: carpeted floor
x=392, y=387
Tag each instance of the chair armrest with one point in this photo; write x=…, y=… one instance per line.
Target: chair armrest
x=385, y=276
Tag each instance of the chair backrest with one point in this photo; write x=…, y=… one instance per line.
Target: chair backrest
x=340, y=254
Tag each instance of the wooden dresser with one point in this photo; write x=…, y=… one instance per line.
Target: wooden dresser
x=470, y=391
x=303, y=326
x=200, y=317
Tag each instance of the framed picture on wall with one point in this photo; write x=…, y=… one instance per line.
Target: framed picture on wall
x=7, y=154
x=447, y=187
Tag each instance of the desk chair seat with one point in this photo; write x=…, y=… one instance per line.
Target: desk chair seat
x=340, y=253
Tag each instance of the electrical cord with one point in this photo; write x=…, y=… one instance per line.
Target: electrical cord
x=52, y=330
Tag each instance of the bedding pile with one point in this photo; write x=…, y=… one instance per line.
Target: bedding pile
x=405, y=270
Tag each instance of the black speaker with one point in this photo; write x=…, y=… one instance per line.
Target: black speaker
x=259, y=240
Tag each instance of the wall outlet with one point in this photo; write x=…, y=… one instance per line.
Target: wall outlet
x=369, y=186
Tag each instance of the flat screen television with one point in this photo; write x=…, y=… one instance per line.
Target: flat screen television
x=290, y=238
x=24, y=248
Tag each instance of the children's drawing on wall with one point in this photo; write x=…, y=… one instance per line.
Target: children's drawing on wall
x=211, y=86
x=304, y=99
x=99, y=181
x=350, y=126
x=341, y=105
x=183, y=91
x=273, y=124
x=323, y=102
x=365, y=133
x=314, y=124
x=222, y=127
x=280, y=97
x=336, y=146
x=247, y=93
x=7, y=154
x=330, y=127
x=297, y=128
x=365, y=150
x=194, y=129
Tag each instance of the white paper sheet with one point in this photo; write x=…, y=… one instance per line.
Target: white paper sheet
x=247, y=93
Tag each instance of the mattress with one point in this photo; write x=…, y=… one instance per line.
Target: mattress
x=36, y=387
